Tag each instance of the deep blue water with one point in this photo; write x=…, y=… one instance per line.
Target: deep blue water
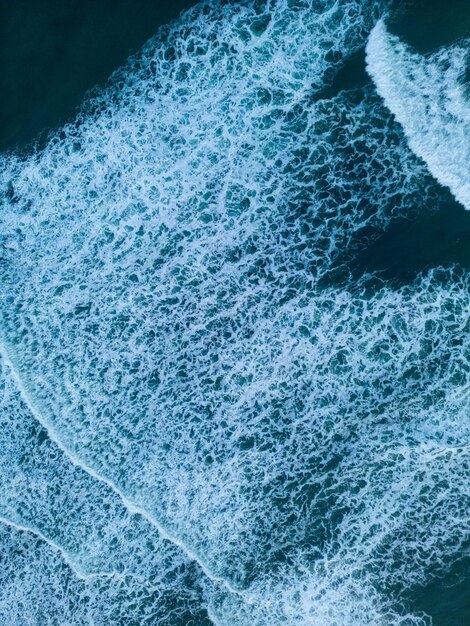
x=234, y=313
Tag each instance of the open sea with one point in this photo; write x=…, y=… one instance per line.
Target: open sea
x=235, y=313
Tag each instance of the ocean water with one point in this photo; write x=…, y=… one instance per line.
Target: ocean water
x=52, y=52
x=235, y=303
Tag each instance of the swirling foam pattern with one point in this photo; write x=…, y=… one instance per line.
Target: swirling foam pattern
x=205, y=416
x=84, y=521
x=37, y=587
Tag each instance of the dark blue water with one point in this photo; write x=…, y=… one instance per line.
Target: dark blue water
x=53, y=52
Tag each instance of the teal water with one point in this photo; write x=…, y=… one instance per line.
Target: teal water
x=235, y=314
x=53, y=52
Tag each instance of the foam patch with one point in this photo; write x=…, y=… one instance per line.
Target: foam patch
x=81, y=518
x=190, y=220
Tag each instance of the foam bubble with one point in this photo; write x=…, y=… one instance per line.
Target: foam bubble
x=428, y=97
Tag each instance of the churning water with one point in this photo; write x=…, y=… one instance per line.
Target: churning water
x=215, y=408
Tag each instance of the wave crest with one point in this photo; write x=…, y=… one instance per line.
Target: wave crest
x=428, y=97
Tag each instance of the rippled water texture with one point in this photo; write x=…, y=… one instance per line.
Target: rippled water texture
x=222, y=401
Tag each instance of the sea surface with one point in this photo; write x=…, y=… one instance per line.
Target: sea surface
x=235, y=313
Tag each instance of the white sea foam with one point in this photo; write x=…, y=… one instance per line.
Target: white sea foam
x=162, y=311
x=427, y=94
x=382, y=441
x=156, y=199
x=43, y=492
x=302, y=235
x=38, y=587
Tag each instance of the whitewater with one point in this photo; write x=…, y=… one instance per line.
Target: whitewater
x=208, y=415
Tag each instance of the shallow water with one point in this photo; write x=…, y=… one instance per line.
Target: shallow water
x=235, y=302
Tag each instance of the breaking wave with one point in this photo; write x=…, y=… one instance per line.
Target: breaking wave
x=429, y=98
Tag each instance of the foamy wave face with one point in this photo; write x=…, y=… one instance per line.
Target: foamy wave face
x=428, y=97
x=166, y=318
x=202, y=220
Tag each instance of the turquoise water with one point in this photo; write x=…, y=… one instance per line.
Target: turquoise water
x=235, y=318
